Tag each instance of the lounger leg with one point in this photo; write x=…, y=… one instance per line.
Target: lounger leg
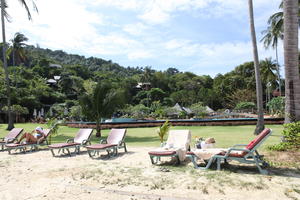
x=69, y=152
x=152, y=161
x=259, y=168
x=52, y=151
x=90, y=155
x=125, y=148
x=177, y=160
x=218, y=163
x=193, y=159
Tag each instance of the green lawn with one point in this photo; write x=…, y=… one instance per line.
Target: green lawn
x=225, y=136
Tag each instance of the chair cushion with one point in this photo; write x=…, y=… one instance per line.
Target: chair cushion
x=239, y=155
x=254, y=142
x=162, y=153
x=62, y=145
x=190, y=153
x=100, y=146
x=17, y=145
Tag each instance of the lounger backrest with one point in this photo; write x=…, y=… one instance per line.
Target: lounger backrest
x=14, y=133
x=83, y=134
x=260, y=138
x=47, y=132
x=179, y=139
x=116, y=135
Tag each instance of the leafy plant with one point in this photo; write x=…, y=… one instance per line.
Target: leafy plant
x=276, y=106
x=163, y=130
x=53, y=124
x=245, y=106
x=291, y=138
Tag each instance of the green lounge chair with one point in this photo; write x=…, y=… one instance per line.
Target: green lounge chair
x=10, y=137
x=114, y=141
x=248, y=154
x=82, y=138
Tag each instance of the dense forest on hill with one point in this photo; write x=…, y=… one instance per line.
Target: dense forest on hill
x=54, y=81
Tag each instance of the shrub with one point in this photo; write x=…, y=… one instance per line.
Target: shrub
x=276, y=106
x=291, y=138
x=245, y=106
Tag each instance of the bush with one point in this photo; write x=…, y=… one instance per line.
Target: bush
x=291, y=138
x=276, y=106
x=245, y=106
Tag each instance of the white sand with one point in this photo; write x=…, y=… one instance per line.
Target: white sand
x=131, y=176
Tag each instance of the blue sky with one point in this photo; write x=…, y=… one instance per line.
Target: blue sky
x=205, y=37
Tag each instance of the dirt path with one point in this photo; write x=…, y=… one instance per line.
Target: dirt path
x=131, y=176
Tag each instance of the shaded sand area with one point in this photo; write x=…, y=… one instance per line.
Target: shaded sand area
x=131, y=176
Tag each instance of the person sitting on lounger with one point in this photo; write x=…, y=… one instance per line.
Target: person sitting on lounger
x=32, y=137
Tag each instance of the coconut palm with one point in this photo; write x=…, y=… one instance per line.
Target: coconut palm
x=17, y=48
x=260, y=112
x=273, y=33
x=291, y=62
x=103, y=102
x=3, y=15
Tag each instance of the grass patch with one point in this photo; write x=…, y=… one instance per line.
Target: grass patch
x=225, y=136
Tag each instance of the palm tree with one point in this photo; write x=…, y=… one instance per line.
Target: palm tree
x=103, y=102
x=267, y=68
x=260, y=112
x=3, y=15
x=17, y=48
x=274, y=32
x=271, y=39
x=291, y=62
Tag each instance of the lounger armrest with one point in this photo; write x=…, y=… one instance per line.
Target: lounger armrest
x=41, y=140
x=239, y=145
x=85, y=142
x=10, y=140
x=70, y=140
x=103, y=141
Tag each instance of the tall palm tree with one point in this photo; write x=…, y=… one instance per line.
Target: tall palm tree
x=260, y=118
x=3, y=15
x=274, y=32
x=271, y=39
x=291, y=62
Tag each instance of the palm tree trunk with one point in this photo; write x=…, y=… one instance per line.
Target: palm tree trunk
x=278, y=71
x=291, y=62
x=10, y=117
x=260, y=112
x=98, y=127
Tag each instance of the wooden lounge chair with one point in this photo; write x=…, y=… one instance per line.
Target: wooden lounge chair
x=82, y=138
x=10, y=137
x=31, y=146
x=114, y=141
x=176, y=147
x=248, y=154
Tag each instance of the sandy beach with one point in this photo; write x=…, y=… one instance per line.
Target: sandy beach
x=130, y=176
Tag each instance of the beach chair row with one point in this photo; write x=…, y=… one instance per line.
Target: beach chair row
x=177, y=146
x=111, y=144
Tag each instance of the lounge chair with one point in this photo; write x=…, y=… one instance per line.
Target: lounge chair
x=10, y=137
x=248, y=154
x=31, y=146
x=114, y=141
x=177, y=144
x=82, y=138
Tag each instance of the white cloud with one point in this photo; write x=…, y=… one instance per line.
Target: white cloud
x=79, y=26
